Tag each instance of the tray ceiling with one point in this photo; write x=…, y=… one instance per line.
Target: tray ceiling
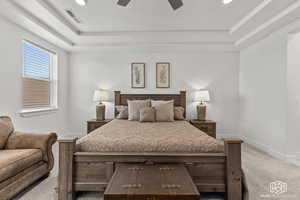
x=105, y=15
x=207, y=23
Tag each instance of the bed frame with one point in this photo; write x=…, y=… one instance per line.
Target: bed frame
x=91, y=171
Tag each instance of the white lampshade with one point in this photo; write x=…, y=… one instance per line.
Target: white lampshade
x=202, y=96
x=100, y=95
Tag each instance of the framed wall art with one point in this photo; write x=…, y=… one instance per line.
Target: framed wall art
x=138, y=75
x=162, y=75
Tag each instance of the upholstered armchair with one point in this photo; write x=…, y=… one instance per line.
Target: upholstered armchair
x=24, y=158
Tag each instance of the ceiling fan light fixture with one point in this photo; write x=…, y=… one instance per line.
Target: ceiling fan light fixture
x=123, y=2
x=227, y=1
x=175, y=4
x=81, y=2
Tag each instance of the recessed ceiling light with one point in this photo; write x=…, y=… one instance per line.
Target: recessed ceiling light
x=81, y=2
x=227, y=1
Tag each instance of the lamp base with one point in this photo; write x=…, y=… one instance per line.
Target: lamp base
x=201, y=112
x=100, y=112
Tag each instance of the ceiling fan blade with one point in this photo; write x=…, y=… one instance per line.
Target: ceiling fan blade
x=176, y=4
x=123, y=2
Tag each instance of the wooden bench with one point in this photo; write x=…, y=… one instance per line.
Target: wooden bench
x=151, y=182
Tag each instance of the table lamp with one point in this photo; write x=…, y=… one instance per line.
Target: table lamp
x=100, y=96
x=202, y=96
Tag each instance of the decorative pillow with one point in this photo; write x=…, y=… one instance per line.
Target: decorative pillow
x=134, y=108
x=164, y=110
x=179, y=113
x=147, y=115
x=6, y=128
x=155, y=103
x=122, y=112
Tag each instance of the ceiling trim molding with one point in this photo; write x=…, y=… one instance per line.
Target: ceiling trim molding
x=156, y=43
x=38, y=22
x=137, y=32
x=249, y=16
x=171, y=46
x=268, y=23
x=222, y=37
x=55, y=13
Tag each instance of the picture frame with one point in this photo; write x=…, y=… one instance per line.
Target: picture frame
x=163, y=75
x=138, y=75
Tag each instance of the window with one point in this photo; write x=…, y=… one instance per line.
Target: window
x=39, y=77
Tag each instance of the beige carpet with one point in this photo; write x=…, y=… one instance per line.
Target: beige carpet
x=260, y=169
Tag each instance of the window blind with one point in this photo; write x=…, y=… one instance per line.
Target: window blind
x=36, y=76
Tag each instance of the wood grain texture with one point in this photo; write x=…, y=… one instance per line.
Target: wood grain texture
x=159, y=181
x=211, y=172
x=66, y=166
x=233, y=168
x=179, y=99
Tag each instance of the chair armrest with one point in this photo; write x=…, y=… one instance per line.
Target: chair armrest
x=44, y=142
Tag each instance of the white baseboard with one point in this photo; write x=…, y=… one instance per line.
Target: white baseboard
x=295, y=159
x=269, y=150
x=263, y=147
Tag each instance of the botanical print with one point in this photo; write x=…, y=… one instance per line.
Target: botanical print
x=162, y=75
x=137, y=72
x=138, y=75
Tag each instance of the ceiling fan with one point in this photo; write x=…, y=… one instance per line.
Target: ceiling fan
x=174, y=3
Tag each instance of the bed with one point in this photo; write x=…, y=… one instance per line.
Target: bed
x=88, y=164
x=133, y=136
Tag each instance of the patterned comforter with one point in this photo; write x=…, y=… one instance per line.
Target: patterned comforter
x=133, y=136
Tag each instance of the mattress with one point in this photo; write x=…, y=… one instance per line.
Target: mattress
x=133, y=136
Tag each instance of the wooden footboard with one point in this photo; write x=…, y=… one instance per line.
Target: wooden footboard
x=91, y=171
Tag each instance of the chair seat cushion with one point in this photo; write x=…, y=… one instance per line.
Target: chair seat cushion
x=14, y=161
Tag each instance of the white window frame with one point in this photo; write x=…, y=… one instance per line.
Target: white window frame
x=53, y=79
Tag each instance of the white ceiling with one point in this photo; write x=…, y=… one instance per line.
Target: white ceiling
x=105, y=15
x=207, y=23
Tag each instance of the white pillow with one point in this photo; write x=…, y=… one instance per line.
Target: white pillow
x=134, y=108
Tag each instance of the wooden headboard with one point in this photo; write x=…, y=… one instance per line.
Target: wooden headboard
x=179, y=99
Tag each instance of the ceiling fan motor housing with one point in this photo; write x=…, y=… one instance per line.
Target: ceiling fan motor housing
x=174, y=3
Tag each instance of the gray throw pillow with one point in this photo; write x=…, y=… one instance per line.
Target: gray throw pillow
x=134, y=108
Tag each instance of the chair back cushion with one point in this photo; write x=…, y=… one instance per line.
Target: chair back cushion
x=6, y=128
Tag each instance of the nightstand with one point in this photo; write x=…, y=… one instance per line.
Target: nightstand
x=207, y=126
x=94, y=124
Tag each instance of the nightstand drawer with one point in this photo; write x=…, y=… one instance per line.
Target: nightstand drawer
x=205, y=128
x=94, y=126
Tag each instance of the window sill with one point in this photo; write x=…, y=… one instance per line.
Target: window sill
x=37, y=111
